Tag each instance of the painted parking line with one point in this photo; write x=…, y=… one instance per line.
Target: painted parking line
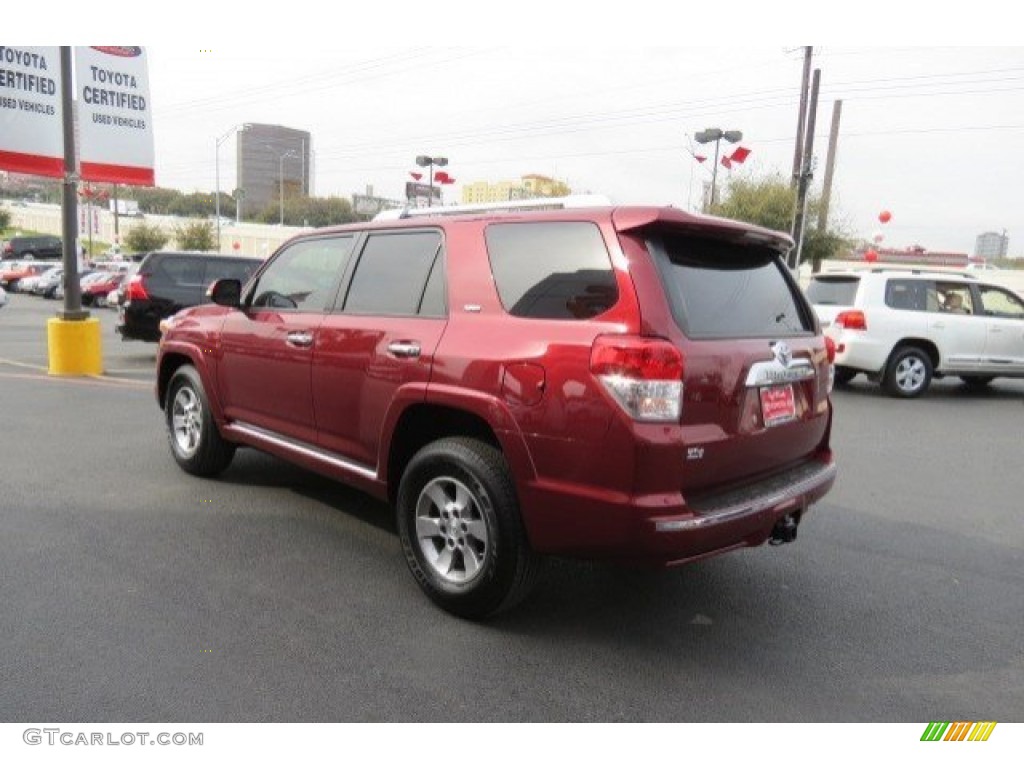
x=103, y=381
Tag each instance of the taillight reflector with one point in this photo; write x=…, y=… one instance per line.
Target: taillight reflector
x=830, y=349
x=852, y=320
x=644, y=376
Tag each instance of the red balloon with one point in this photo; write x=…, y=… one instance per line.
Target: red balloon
x=871, y=255
x=884, y=217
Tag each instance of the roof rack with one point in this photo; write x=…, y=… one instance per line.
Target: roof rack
x=533, y=204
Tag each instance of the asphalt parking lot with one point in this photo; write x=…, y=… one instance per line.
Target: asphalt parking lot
x=133, y=592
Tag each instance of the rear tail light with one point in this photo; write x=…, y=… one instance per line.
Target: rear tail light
x=136, y=290
x=644, y=376
x=851, y=320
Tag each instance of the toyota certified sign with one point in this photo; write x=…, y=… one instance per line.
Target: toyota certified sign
x=31, y=129
x=115, y=117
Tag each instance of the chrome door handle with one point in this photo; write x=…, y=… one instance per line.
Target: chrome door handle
x=301, y=339
x=404, y=348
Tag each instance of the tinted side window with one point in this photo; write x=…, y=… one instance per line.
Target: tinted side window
x=230, y=269
x=179, y=270
x=433, y=303
x=723, y=290
x=303, y=276
x=392, y=273
x=911, y=294
x=553, y=270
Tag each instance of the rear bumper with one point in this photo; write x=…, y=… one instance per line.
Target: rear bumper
x=671, y=530
x=739, y=518
x=136, y=326
x=855, y=350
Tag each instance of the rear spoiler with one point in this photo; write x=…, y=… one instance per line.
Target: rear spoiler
x=633, y=219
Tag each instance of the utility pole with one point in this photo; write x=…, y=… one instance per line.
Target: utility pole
x=801, y=118
x=826, y=185
x=69, y=198
x=806, y=172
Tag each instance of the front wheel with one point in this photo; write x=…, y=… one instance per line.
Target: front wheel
x=908, y=373
x=460, y=528
x=195, y=442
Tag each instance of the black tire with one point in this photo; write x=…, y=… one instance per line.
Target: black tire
x=460, y=528
x=845, y=375
x=195, y=441
x=908, y=373
x=976, y=383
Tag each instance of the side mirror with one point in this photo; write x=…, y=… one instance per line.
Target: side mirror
x=226, y=292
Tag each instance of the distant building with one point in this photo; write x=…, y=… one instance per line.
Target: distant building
x=527, y=187
x=991, y=245
x=273, y=162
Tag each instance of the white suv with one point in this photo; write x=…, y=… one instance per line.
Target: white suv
x=904, y=327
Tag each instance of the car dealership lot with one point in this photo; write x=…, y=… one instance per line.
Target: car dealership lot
x=134, y=592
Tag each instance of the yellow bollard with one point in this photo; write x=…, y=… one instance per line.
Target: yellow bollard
x=75, y=347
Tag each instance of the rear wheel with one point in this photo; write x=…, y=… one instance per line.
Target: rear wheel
x=193, y=436
x=908, y=373
x=458, y=520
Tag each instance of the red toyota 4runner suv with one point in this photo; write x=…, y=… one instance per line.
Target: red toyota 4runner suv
x=628, y=383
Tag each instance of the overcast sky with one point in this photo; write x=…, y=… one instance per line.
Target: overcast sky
x=933, y=134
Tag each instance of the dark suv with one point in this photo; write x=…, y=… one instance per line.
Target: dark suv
x=166, y=282
x=637, y=384
x=36, y=247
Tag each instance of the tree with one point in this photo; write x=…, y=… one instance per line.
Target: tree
x=309, y=212
x=143, y=238
x=769, y=202
x=5, y=220
x=196, y=236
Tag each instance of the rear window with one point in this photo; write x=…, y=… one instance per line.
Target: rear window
x=833, y=291
x=724, y=290
x=552, y=270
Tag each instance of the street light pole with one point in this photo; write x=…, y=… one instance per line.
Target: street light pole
x=216, y=153
x=427, y=161
x=280, y=176
x=716, y=135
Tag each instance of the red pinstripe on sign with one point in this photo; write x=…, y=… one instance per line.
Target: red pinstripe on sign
x=117, y=174
x=40, y=165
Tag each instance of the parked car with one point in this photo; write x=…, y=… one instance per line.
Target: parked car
x=96, y=292
x=905, y=327
x=34, y=247
x=165, y=282
x=37, y=284
x=48, y=281
x=13, y=273
x=639, y=384
x=3, y=298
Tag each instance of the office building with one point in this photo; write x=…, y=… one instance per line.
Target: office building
x=273, y=164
